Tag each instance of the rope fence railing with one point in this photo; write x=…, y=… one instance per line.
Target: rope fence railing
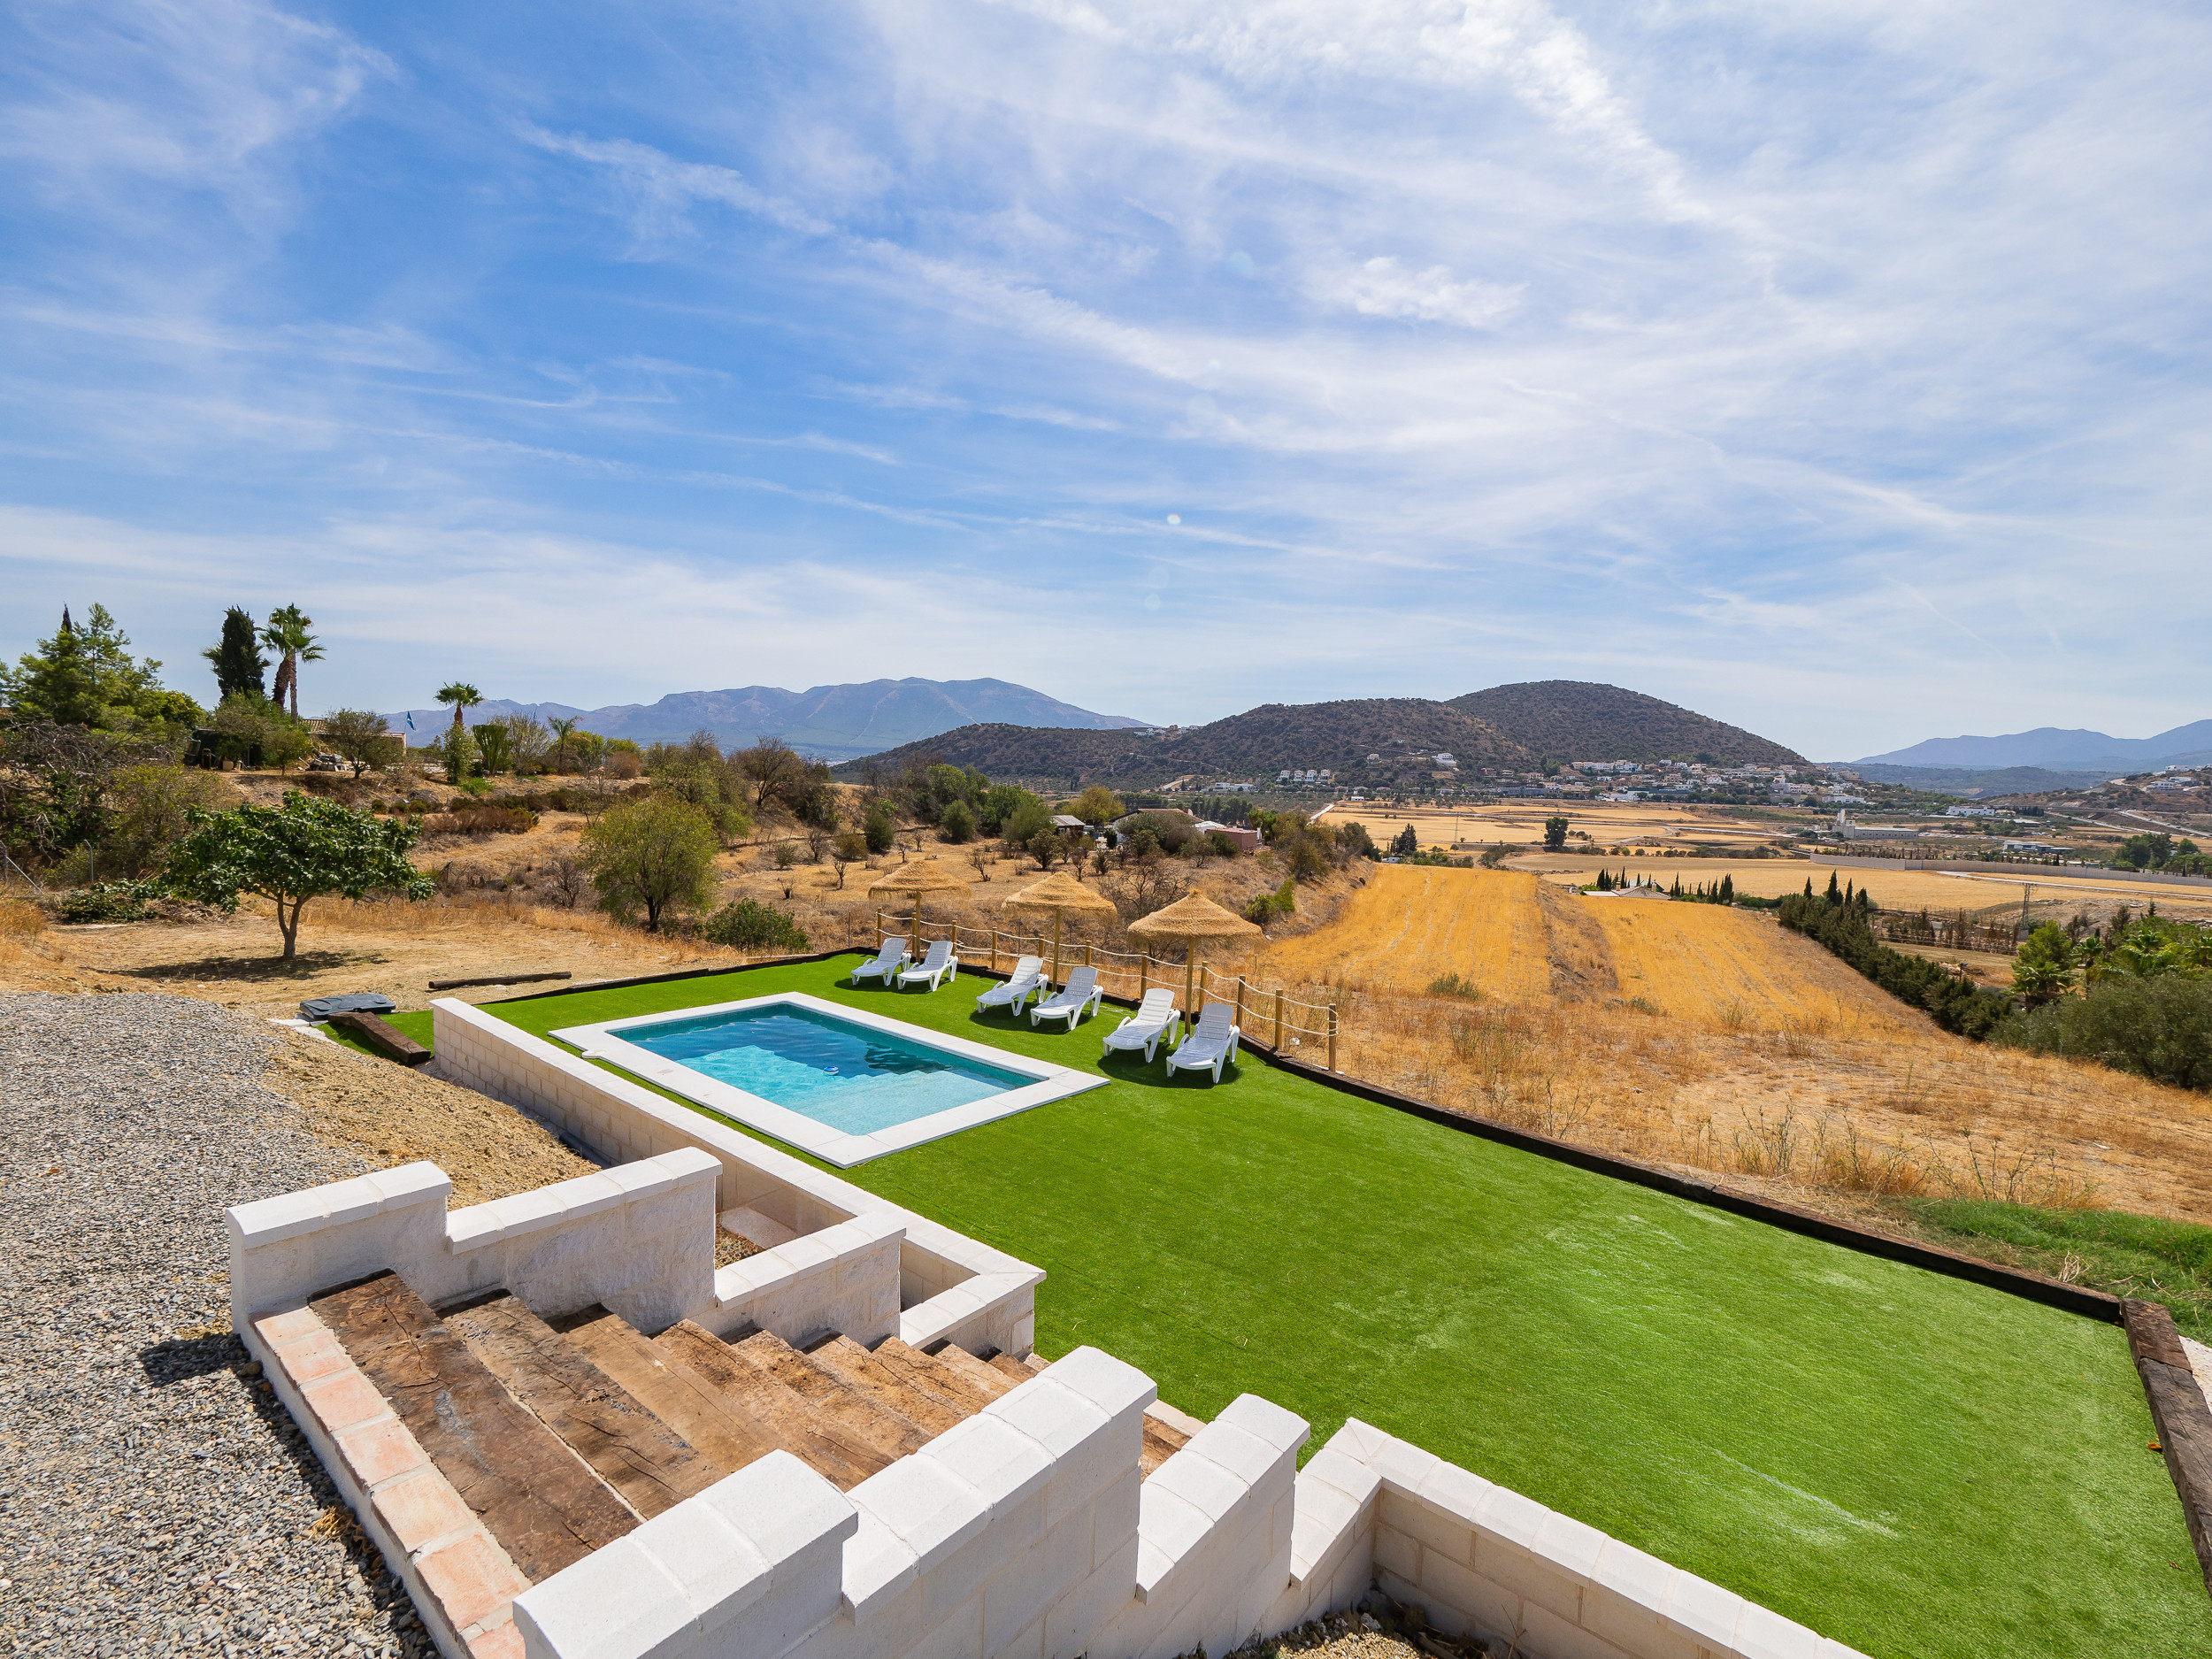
x=1271, y=1015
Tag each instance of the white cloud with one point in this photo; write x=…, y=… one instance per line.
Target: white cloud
x=1382, y=288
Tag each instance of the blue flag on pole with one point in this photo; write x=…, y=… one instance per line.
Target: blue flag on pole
x=410, y=720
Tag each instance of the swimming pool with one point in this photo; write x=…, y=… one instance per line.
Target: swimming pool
x=841, y=1083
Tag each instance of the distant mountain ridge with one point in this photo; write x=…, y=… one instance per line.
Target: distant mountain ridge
x=2059, y=750
x=1569, y=720
x=1581, y=720
x=831, y=722
x=1338, y=736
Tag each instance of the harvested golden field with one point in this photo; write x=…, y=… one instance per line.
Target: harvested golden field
x=1735, y=970
x=1608, y=823
x=1713, y=1038
x=1411, y=923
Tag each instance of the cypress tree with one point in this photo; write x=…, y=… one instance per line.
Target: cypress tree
x=238, y=660
x=1835, y=889
x=1728, y=889
x=1809, y=887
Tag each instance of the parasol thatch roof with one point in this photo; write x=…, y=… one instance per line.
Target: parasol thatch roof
x=1192, y=917
x=924, y=875
x=1060, y=891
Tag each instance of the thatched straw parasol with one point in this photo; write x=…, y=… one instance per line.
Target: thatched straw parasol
x=1191, y=918
x=924, y=875
x=1059, y=893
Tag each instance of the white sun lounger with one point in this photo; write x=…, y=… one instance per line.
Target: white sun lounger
x=1154, y=1017
x=888, y=961
x=1081, y=995
x=1211, y=1045
x=1025, y=981
x=936, y=967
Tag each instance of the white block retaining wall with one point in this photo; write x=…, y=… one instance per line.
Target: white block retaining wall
x=620, y=1120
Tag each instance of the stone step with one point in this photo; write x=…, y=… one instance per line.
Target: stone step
x=860, y=1370
x=649, y=1464
x=933, y=1376
x=1162, y=1441
x=989, y=1382
x=750, y=1391
x=545, y=1509
x=860, y=1413
x=690, y=1404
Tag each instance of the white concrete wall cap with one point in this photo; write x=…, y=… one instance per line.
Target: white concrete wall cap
x=1286, y=1431
x=1058, y=1419
x=471, y=1228
x=929, y=1509
x=877, y=1568
x=785, y=1507
x=416, y=1183
x=803, y=1255
x=1003, y=1464
x=1403, y=1465
x=1359, y=1441
x=690, y=1164
x=1504, y=1513
x=1198, y=1481
x=867, y=1230
x=617, y=1602
x=715, y=1565
x=1627, y=1573
x=528, y=1212
x=1244, y=1455
x=1455, y=1491
x=1356, y=1480
x=1113, y=1385
x=1763, y=1633
x=588, y=1194
x=1320, y=1521
x=272, y=1221
x=1570, y=1546
x=1154, y=1565
x=1704, y=1611
x=642, y=1177
x=1172, y=1525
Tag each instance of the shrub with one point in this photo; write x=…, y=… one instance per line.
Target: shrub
x=108, y=901
x=957, y=823
x=787, y=854
x=2158, y=1028
x=748, y=924
x=1456, y=985
x=879, y=827
x=1282, y=901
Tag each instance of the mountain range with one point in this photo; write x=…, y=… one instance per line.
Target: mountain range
x=2058, y=749
x=1517, y=727
x=827, y=722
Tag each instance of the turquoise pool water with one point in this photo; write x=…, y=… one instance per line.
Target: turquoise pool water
x=848, y=1076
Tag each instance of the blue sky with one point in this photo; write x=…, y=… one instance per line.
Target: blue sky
x=1837, y=369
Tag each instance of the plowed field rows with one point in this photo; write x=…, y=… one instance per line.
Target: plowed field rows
x=1411, y=923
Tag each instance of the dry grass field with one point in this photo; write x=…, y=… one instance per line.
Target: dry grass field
x=1521, y=822
x=1713, y=1038
x=1411, y=923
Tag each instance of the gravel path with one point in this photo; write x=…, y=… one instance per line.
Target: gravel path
x=154, y=1499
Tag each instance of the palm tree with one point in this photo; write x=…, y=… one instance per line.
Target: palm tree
x=462, y=696
x=288, y=632
x=561, y=729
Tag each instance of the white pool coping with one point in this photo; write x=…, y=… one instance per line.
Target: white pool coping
x=832, y=1146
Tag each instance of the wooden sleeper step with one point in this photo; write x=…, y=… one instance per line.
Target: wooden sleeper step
x=649, y=1464
x=932, y=1376
x=867, y=1376
x=834, y=1401
x=671, y=1390
x=989, y=1382
x=751, y=1391
x=545, y=1509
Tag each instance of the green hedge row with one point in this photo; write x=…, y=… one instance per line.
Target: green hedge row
x=1843, y=928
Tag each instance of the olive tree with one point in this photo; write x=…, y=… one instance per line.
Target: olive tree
x=653, y=854
x=361, y=736
x=304, y=848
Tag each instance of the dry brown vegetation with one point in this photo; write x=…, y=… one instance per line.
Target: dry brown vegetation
x=1708, y=1038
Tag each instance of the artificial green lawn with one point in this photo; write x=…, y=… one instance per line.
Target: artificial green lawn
x=1911, y=1464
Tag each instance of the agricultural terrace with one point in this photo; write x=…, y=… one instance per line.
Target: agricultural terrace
x=1921, y=1468
x=1707, y=1037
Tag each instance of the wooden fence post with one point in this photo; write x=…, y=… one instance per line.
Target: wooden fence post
x=994, y=950
x=1240, y=1016
x=1278, y=1021
x=1144, y=974
x=1333, y=1036
x=879, y=938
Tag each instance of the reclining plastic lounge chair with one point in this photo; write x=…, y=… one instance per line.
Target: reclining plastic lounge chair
x=1079, y=996
x=936, y=967
x=888, y=961
x=1026, y=981
x=1211, y=1044
x=1153, y=1021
